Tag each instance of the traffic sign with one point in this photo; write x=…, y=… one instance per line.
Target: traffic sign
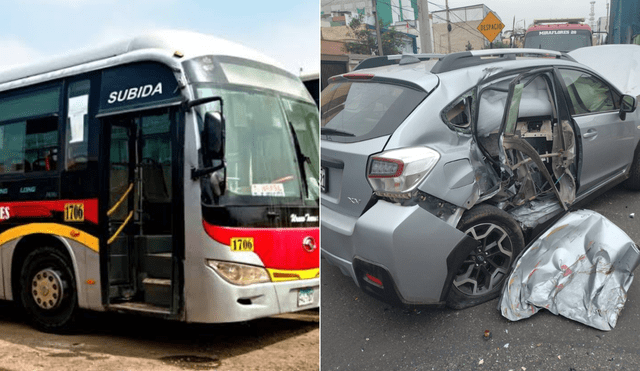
x=490, y=26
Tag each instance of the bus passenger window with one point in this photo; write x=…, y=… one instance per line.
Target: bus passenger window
x=41, y=144
x=12, y=148
x=77, y=126
x=29, y=146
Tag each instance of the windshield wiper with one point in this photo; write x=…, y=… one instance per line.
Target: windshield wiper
x=329, y=131
x=301, y=158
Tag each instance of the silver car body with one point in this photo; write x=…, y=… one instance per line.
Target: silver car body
x=416, y=245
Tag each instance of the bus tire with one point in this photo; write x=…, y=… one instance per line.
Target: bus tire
x=483, y=272
x=48, y=290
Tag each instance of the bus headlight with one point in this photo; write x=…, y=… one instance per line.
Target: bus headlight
x=239, y=274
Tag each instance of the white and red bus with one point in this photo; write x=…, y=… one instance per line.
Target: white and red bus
x=562, y=34
x=172, y=174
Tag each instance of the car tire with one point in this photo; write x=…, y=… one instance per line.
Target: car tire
x=48, y=291
x=633, y=182
x=481, y=275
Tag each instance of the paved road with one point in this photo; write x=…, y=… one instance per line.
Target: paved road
x=363, y=333
x=114, y=342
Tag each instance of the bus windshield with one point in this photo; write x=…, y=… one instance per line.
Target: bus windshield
x=560, y=40
x=262, y=162
x=267, y=112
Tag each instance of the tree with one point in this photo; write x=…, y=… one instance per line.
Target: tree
x=497, y=45
x=367, y=43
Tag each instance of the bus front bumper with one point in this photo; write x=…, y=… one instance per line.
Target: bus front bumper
x=226, y=302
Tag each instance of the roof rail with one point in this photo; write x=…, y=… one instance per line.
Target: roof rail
x=459, y=60
x=388, y=60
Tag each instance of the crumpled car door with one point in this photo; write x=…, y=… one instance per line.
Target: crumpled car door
x=537, y=140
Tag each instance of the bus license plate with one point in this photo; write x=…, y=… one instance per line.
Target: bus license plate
x=305, y=297
x=323, y=179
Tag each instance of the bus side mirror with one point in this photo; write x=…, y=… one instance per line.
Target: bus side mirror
x=213, y=136
x=627, y=105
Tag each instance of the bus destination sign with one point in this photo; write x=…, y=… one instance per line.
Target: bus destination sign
x=137, y=85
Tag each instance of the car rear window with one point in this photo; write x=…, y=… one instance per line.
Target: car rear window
x=356, y=111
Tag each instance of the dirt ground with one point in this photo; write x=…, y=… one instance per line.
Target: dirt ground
x=123, y=342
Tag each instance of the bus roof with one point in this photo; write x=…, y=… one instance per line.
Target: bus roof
x=560, y=26
x=168, y=46
x=313, y=75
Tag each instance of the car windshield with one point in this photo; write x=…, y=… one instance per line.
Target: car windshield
x=263, y=163
x=560, y=40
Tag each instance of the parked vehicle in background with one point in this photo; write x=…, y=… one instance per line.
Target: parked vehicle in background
x=173, y=174
x=561, y=34
x=436, y=171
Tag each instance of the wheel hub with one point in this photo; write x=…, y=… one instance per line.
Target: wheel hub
x=47, y=289
x=485, y=268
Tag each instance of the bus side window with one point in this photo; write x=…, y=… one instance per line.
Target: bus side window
x=28, y=145
x=41, y=144
x=12, y=148
x=77, y=126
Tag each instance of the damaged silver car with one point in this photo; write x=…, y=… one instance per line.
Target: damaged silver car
x=437, y=170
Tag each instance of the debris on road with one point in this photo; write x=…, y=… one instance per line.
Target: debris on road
x=487, y=334
x=581, y=268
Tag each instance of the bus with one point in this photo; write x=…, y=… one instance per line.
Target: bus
x=561, y=34
x=173, y=174
x=312, y=81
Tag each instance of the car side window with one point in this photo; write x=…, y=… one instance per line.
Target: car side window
x=588, y=94
x=458, y=113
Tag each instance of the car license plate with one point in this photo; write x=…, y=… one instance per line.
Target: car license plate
x=323, y=179
x=305, y=297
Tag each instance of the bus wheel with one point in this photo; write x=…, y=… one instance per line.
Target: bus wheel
x=48, y=289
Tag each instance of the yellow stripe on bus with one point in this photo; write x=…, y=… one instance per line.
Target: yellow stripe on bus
x=278, y=275
x=51, y=228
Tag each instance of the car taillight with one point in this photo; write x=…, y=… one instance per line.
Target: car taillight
x=385, y=168
x=400, y=170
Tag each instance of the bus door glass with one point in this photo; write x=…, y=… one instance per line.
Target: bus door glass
x=140, y=199
x=121, y=205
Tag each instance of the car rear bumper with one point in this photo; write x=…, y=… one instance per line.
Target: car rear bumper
x=392, y=250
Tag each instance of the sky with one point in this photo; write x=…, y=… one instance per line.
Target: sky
x=285, y=30
x=525, y=11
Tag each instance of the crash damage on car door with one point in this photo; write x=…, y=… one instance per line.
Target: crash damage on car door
x=523, y=160
x=531, y=149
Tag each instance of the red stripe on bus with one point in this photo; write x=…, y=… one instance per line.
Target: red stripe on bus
x=278, y=248
x=45, y=209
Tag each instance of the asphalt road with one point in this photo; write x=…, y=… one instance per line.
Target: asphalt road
x=359, y=332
